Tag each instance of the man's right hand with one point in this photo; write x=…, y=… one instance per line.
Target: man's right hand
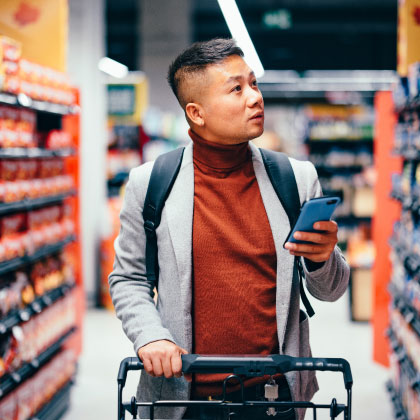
x=162, y=357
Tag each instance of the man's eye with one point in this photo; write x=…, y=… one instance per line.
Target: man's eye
x=237, y=88
x=254, y=83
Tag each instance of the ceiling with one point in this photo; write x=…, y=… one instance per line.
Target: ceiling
x=311, y=34
x=287, y=34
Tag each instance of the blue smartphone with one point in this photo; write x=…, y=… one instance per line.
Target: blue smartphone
x=312, y=211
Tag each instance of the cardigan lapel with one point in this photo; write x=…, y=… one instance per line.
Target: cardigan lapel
x=179, y=215
x=280, y=228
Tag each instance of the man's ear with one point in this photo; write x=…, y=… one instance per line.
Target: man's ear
x=195, y=113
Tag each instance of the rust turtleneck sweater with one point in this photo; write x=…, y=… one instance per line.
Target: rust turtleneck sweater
x=234, y=259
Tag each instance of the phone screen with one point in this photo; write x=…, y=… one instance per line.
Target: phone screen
x=312, y=211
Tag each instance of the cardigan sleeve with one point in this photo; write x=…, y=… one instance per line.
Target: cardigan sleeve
x=329, y=282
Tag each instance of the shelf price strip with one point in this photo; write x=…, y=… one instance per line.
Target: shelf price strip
x=45, y=251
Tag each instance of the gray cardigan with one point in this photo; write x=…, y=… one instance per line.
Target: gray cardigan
x=171, y=319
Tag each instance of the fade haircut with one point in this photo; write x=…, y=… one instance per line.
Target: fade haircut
x=195, y=59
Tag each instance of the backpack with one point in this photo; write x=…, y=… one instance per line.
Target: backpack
x=163, y=176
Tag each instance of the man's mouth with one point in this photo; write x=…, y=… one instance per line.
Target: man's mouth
x=258, y=115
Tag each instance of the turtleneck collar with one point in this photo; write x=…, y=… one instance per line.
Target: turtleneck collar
x=219, y=156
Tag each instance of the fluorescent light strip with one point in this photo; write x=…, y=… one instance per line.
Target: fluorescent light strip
x=239, y=32
x=112, y=67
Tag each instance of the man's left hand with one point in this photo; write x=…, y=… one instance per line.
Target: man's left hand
x=322, y=242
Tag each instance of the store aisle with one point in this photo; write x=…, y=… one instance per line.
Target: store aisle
x=332, y=335
x=105, y=345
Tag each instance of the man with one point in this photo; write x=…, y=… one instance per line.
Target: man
x=226, y=283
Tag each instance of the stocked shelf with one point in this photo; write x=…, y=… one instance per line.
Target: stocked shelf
x=410, y=260
x=25, y=101
x=404, y=361
x=43, y=252
x=11, y=381
x=410, y=314
x=409, y=106
x=34, y=152
x=399, y=412
x=57, y=406
x=340, y=142
x=27, y=205
x=40, y=303
x=352, y=219
x=407, y=153
x=332, y=170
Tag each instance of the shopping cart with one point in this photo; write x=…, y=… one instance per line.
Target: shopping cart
x=240, y=367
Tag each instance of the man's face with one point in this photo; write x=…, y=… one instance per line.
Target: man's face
x=232, y=104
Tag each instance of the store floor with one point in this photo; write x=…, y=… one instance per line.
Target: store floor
x=332, y=335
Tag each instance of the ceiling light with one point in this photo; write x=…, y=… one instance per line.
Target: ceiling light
x=239, y=32
x=112, y=67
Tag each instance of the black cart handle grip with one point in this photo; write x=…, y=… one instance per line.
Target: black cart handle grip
x=263, y=365
x=129, y=363
x=248, y=365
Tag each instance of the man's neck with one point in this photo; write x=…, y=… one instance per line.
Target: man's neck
x=211, y=137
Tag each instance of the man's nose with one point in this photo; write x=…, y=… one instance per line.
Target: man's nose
x=254, y=97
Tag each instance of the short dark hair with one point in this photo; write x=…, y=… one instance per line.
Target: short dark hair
x=197, y=57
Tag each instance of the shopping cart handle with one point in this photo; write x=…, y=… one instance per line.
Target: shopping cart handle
x=322, y=364
x=129, y=363
x=263, y=365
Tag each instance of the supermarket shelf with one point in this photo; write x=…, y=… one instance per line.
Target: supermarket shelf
x=410, y=314
x=340, y=142
x=412, y=105
x=399, y=412
x=34, y=152
x=352, y=219
x=361, y=267
x=407, y=153
x=406, y=364
x=409, y=202
x=332, y=170
x=35, y=307
x=399, y=195
x=410, y=260
x=11, y=381
x=45, y=251
x=26, y=102
x=27, y=205
x=57, y=406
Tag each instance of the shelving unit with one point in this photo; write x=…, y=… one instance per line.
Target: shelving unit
x=15, y=263
x=398, y=409
x=404, y=291
x=340, y=144
x=20, y=153
x=32, y=204
x=25, y=101
x=49, y=116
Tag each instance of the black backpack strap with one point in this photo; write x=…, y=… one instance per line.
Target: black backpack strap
x=282, y=177
x=162, y=178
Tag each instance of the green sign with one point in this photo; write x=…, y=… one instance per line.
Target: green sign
x=121, y=100
x=278, y=19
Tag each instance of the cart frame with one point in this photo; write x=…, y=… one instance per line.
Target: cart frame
x=248, y=366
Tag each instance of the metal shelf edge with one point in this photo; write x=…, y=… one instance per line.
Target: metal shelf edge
x=30, y=204
x=9, y=321
x=45, y=251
